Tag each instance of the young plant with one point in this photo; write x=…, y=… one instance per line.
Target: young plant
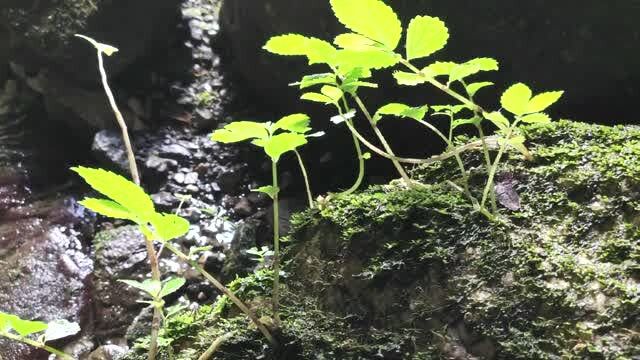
x=276, y=139
x=128, y=201
x=157, y=291
x=372, y=45
x=14, y=328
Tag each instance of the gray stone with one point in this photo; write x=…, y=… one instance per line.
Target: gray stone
x=174, y=151
x=108, y=352
x=108, y=148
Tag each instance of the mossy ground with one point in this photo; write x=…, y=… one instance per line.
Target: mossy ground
x=416, y=274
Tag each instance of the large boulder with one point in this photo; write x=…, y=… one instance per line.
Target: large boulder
x=393, y=273
x=45, y=54
x=588, y=48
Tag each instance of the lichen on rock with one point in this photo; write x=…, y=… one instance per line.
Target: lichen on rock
x=416, y=274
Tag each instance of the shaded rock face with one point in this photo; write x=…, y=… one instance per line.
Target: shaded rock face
x=415, y=274
x=45, y=55
x=545, y=43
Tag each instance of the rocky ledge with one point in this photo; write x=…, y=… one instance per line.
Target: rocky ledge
x=392, y=273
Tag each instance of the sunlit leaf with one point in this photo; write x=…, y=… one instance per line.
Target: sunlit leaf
x=271, y=191
x=170, y=286
x=408, y=79
x=316, y=79
x=473, y=88
x=542, y=101
x=516, y=99
x=536, y=118
x=401, y=110
x=471, y=67
x=332, y=92
x=439, y=68
x=240, y=131
x=316, y=97
x=169, y=226
x=347, y=60
x=316, y=50
x=21, y=326
x=371, y=18
x=108, y=208
x=119, y=189
x=497, y=119
x=460, y=122
x=279, y=144
x=425, y=36
x=351, y=41
x=298, y=123
x=149, y=286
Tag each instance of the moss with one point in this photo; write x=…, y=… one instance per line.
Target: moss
x=416, y=274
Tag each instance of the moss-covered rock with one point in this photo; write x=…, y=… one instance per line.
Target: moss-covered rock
x=415, y=274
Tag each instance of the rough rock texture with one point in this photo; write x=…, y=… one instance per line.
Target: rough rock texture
x=416, y=274
x=546, y=43
x=44, y=53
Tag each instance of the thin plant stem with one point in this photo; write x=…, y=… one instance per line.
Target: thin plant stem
x=275, y=296
x=135, y=175
x=215, y=345
x=224, y=290
x=358, y=148
x=487, y=157
x=36, y=344
x=384, y=142
x=496, y=162
x=306, y=179
x=133, y=168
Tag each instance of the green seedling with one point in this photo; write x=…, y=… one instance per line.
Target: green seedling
x=37, y=333
x=372, y=44
x=260, y=255
x=128, y=201
x=276, y=139
x=157, y=291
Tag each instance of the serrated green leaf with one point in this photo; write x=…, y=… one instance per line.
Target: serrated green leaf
x=22, y=327
x=450, y=109
x=472, y=67
x=352, y=80
x=371, y=18
x=5, y=324
x=316, y=79
x=60, y=329
x=170, y=286
x=401, y=110
x=119, y=189
x=408, y=79
x=425, y=36
x=316, y=50
x=542, y=101
x=169, y=226
x=279, y=144
x=149, y=286
x=439, y=68
x=271, y=191
x=103, y=48
x=332, y=92
x=497, y=119
x=240, y=131
x=460, y=122
x=298, y=123
x=108, y=208
x=473, y=88
x=536, y=118
x=316, y=97
x=351, y=41
x=347, y=60
x=516, y=99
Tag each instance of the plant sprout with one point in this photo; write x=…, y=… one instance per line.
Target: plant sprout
x=276, y=139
